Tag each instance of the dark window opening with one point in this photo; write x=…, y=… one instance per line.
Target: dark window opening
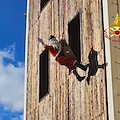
x=74, y=36
x=43, y=83
x=43, y=4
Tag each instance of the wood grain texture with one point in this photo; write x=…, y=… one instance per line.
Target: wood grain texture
x=68, y=99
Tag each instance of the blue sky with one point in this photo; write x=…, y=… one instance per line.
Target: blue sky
x=12, y=58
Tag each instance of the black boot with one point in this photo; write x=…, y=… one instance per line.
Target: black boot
x=78, y=76
x=77, y=64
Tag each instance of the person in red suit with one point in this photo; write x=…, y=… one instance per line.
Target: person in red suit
x=63, y=54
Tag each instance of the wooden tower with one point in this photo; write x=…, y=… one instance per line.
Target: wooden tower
x=50, y=94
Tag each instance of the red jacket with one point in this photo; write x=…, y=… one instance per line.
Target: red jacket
x=62, y=60
x=53, y=51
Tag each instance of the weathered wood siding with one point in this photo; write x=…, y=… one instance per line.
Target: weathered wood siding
x=68, y=99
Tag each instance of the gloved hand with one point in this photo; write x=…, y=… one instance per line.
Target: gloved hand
x=40, y=40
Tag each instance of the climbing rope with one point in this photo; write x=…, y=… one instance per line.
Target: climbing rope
x=64, y=7
x=51, y=16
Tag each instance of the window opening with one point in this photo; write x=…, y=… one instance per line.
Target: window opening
x=43, y=4
x=43, y=83
x=74, y=36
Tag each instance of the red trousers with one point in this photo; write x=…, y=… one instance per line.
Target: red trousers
x=67, y=61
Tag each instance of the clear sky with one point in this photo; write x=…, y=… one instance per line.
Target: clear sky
x=12, y=55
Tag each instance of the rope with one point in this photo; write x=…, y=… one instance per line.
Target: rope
x=64, y=6
x=51, y=16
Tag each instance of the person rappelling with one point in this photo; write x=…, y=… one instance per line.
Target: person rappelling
x=64, y=55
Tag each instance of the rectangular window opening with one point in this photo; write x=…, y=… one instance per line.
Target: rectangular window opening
x=43, y=82
x=74, y=36
x=43, y=4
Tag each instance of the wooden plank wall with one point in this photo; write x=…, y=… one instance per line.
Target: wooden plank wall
x=68, y=99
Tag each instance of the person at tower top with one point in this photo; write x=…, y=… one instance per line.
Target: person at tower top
x=64, y=55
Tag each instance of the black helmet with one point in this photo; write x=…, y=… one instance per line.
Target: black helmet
x=51, y=36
